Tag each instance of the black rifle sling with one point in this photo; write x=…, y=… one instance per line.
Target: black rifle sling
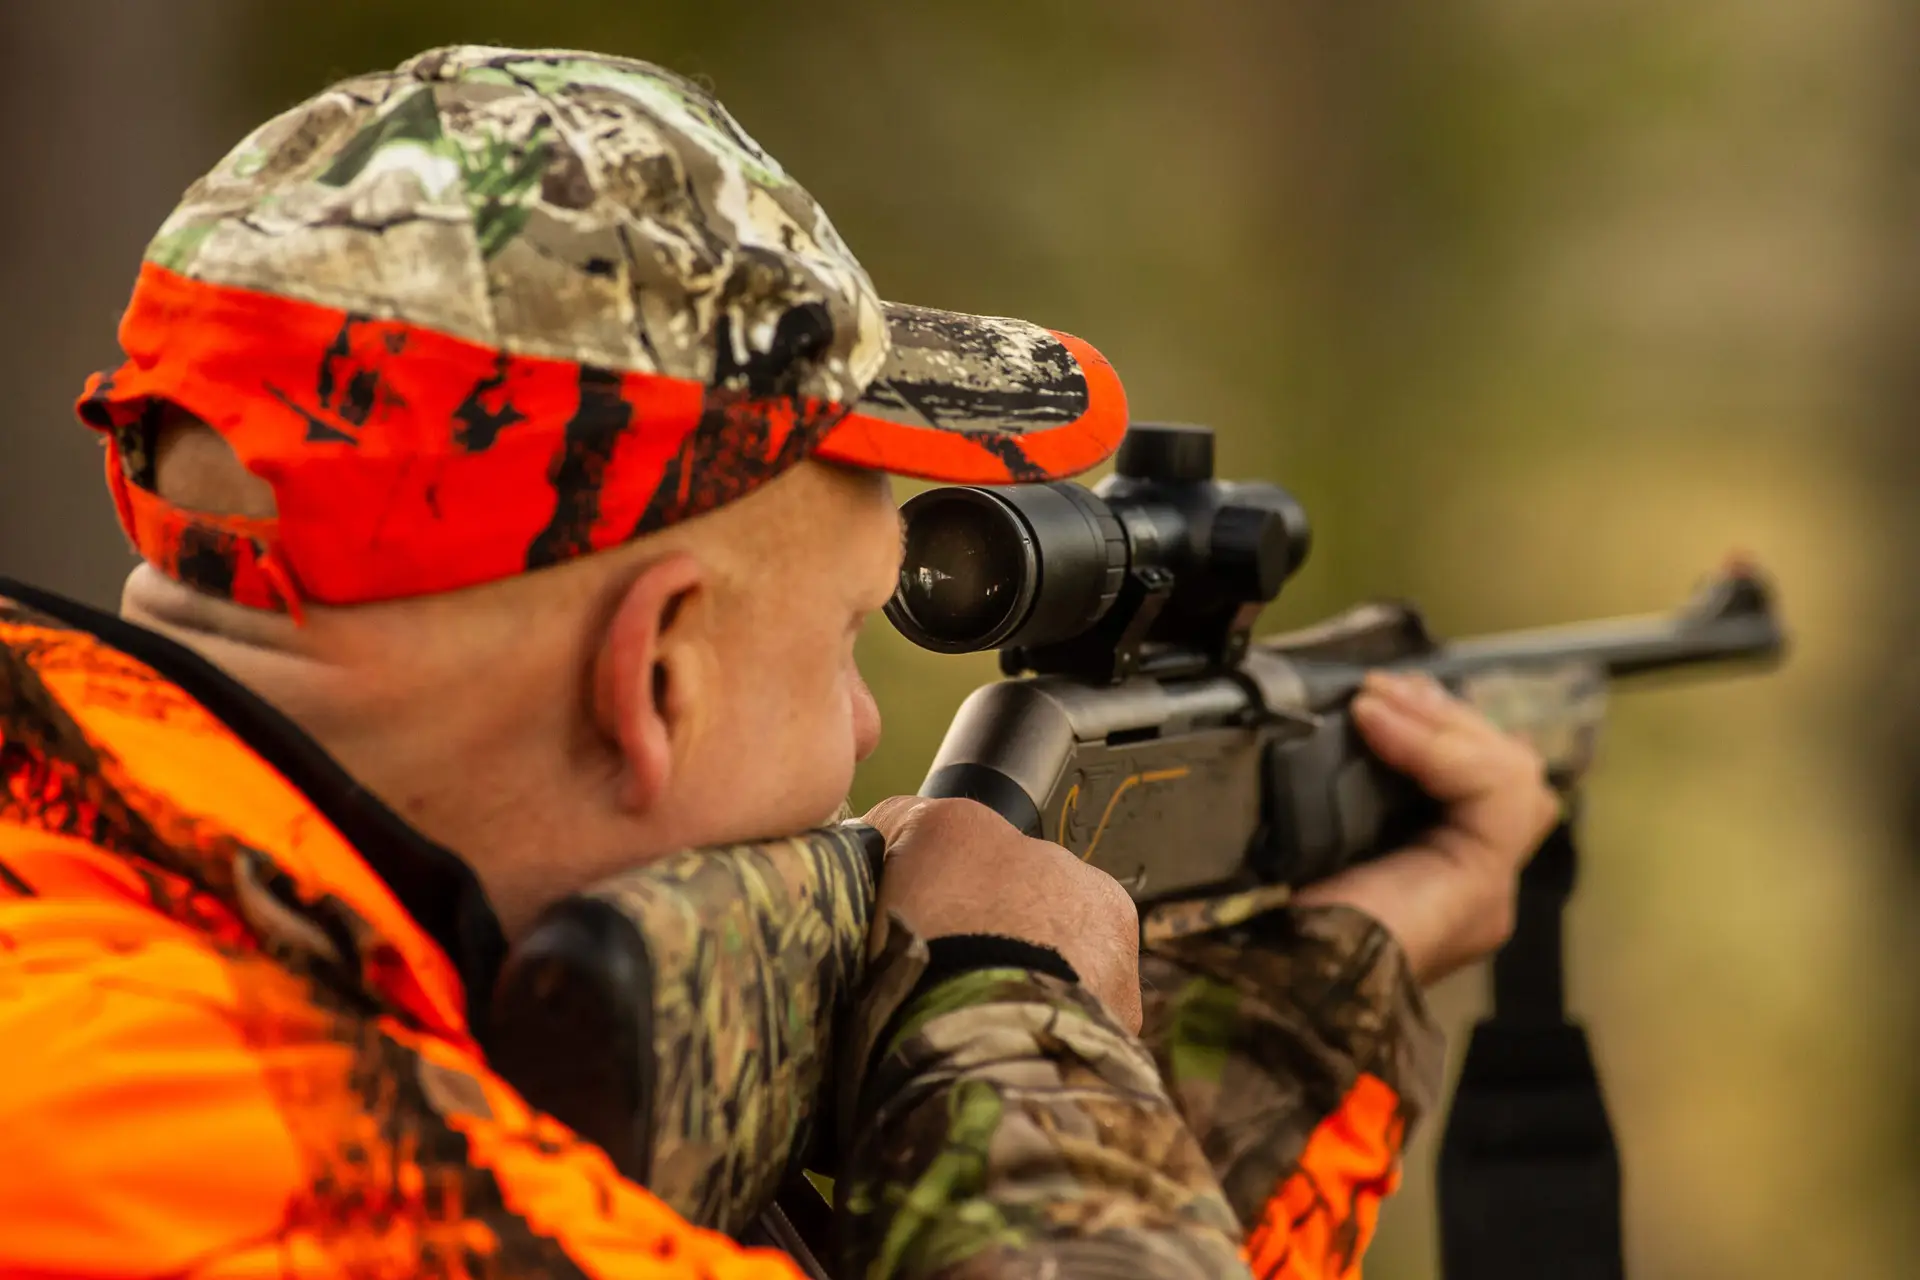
x=1529, y=1178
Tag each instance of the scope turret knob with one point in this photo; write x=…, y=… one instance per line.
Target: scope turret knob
x=1170, y=453
x=1252, y=550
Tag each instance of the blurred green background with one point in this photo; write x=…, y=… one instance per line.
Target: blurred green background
x=1541, y=308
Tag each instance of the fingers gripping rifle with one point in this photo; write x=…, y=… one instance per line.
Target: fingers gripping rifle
x=1157, y=740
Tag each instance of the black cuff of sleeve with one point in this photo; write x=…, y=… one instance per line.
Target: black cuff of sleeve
x=959, y=953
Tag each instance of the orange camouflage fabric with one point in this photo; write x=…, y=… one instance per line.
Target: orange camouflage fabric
x=230, y=1050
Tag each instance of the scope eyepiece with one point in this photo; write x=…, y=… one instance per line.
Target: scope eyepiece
x=998, y=568
x=1160, y=564
x=969, y=571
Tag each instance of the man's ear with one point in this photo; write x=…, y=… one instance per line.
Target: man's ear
x=653, y=674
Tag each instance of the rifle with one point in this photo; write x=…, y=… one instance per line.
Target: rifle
x=1143, y=728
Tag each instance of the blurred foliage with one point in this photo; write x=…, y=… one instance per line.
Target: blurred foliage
x=1541, y=309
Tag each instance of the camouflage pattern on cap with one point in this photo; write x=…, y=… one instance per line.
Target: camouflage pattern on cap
x=566, y=205
x=496, y=309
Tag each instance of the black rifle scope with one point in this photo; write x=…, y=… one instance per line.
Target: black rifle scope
x=1159, y=567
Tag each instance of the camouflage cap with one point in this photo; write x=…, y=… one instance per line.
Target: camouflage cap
x=498, y=308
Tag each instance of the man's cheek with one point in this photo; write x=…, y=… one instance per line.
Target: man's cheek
x=864, y=713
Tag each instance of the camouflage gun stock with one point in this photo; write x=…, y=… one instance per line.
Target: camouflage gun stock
x=1158, y=741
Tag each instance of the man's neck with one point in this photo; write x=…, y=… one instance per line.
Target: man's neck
x=477, y=765
x=266, y=652
x=437, y=888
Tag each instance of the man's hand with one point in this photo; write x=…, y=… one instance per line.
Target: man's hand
x=1448, y=900
x=957, y=867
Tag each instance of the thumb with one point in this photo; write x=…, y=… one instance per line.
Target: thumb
x=892, y=816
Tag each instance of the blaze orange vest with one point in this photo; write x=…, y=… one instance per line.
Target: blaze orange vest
x=234, y=1032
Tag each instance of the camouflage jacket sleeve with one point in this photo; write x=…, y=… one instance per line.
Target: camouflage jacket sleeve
x=1300, y=1052
x=1005, y=1126
x=995, y=1123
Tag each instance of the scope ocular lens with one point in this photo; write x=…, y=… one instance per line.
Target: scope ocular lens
x=968, y=571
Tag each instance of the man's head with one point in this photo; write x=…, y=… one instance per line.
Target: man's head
x=518, y=425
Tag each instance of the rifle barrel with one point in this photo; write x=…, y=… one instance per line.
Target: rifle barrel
x=1731, y=618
